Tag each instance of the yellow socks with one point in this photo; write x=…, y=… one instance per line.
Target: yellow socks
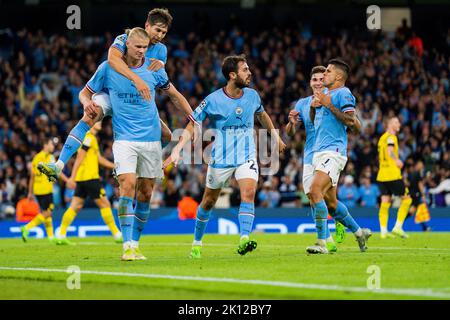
x=109, y=220
x=49, y=227
x=384, y=216
x=402, y=212
x=35, y=222
x=67, y=219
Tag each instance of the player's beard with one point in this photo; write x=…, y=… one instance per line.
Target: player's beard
x=240, y=83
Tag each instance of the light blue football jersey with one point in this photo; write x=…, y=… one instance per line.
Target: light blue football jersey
x=302, y=106
x=233, y=121
x=156, y=51
x=134, y=118
x=331, y=134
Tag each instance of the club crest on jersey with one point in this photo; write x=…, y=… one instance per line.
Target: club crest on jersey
x=239, y=110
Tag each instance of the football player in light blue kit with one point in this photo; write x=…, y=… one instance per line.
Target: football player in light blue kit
x=231, y=111
x=333, y=112
x=157, y=25
x=300, y=114
x=137, y=134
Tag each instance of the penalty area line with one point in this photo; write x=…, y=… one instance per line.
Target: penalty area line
x=312, y=286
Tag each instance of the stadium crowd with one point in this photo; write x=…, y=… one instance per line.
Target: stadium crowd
x=41, y=76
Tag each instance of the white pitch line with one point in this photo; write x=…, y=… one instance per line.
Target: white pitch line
x=177, y=244
x=394, y=291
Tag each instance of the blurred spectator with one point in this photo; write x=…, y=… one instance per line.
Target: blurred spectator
x=171, y=195
x=288, y=192
x=368, y=193
x=348, y=193
x=268, y=197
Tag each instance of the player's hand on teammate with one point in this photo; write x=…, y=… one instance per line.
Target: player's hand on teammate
x=293, y=116
x=142, y=88
x=155, y=65
x=322, y=98
x=91, y=109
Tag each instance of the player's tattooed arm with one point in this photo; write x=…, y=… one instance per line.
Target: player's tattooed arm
x=347, y=118
x=356, y=129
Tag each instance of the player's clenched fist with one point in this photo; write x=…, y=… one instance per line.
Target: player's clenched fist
x=293, y=116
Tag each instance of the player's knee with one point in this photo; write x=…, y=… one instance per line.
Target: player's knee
x=248, y=194
x=316, y=194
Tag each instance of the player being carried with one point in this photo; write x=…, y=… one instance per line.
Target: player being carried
x=333, y=111
x=301, y=113
x=137, y=134
x=231, y=111
x=157, y=25
x=85, y=173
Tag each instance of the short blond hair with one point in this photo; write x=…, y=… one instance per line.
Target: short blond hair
x=137, y=32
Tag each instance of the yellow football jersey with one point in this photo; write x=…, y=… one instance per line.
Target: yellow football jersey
x=388, y=170
x=41, y=184
x=88, y=169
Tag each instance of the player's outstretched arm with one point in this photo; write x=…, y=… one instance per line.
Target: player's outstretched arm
x=185, y=138
x=115, y=60
x=267, y=123
x=166, y=132
x=105, y=162
x=179, y=101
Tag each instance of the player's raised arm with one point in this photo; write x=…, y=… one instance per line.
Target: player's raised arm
x=115, y=60
x=267, y=123
x=293, y=121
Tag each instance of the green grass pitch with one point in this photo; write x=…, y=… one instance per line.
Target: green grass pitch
x=415, y=268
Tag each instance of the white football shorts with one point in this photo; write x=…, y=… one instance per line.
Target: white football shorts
x=308, y=175
x=218, y=178
x=332, y=163
x=142, y=158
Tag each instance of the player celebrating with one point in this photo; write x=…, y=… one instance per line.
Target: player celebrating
x=332, y=113
x=301, y=114
x=85, y=173
x=390, y=180
x=231, y=110
x=158, y=23
x=137, y=132
x=43, y=190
